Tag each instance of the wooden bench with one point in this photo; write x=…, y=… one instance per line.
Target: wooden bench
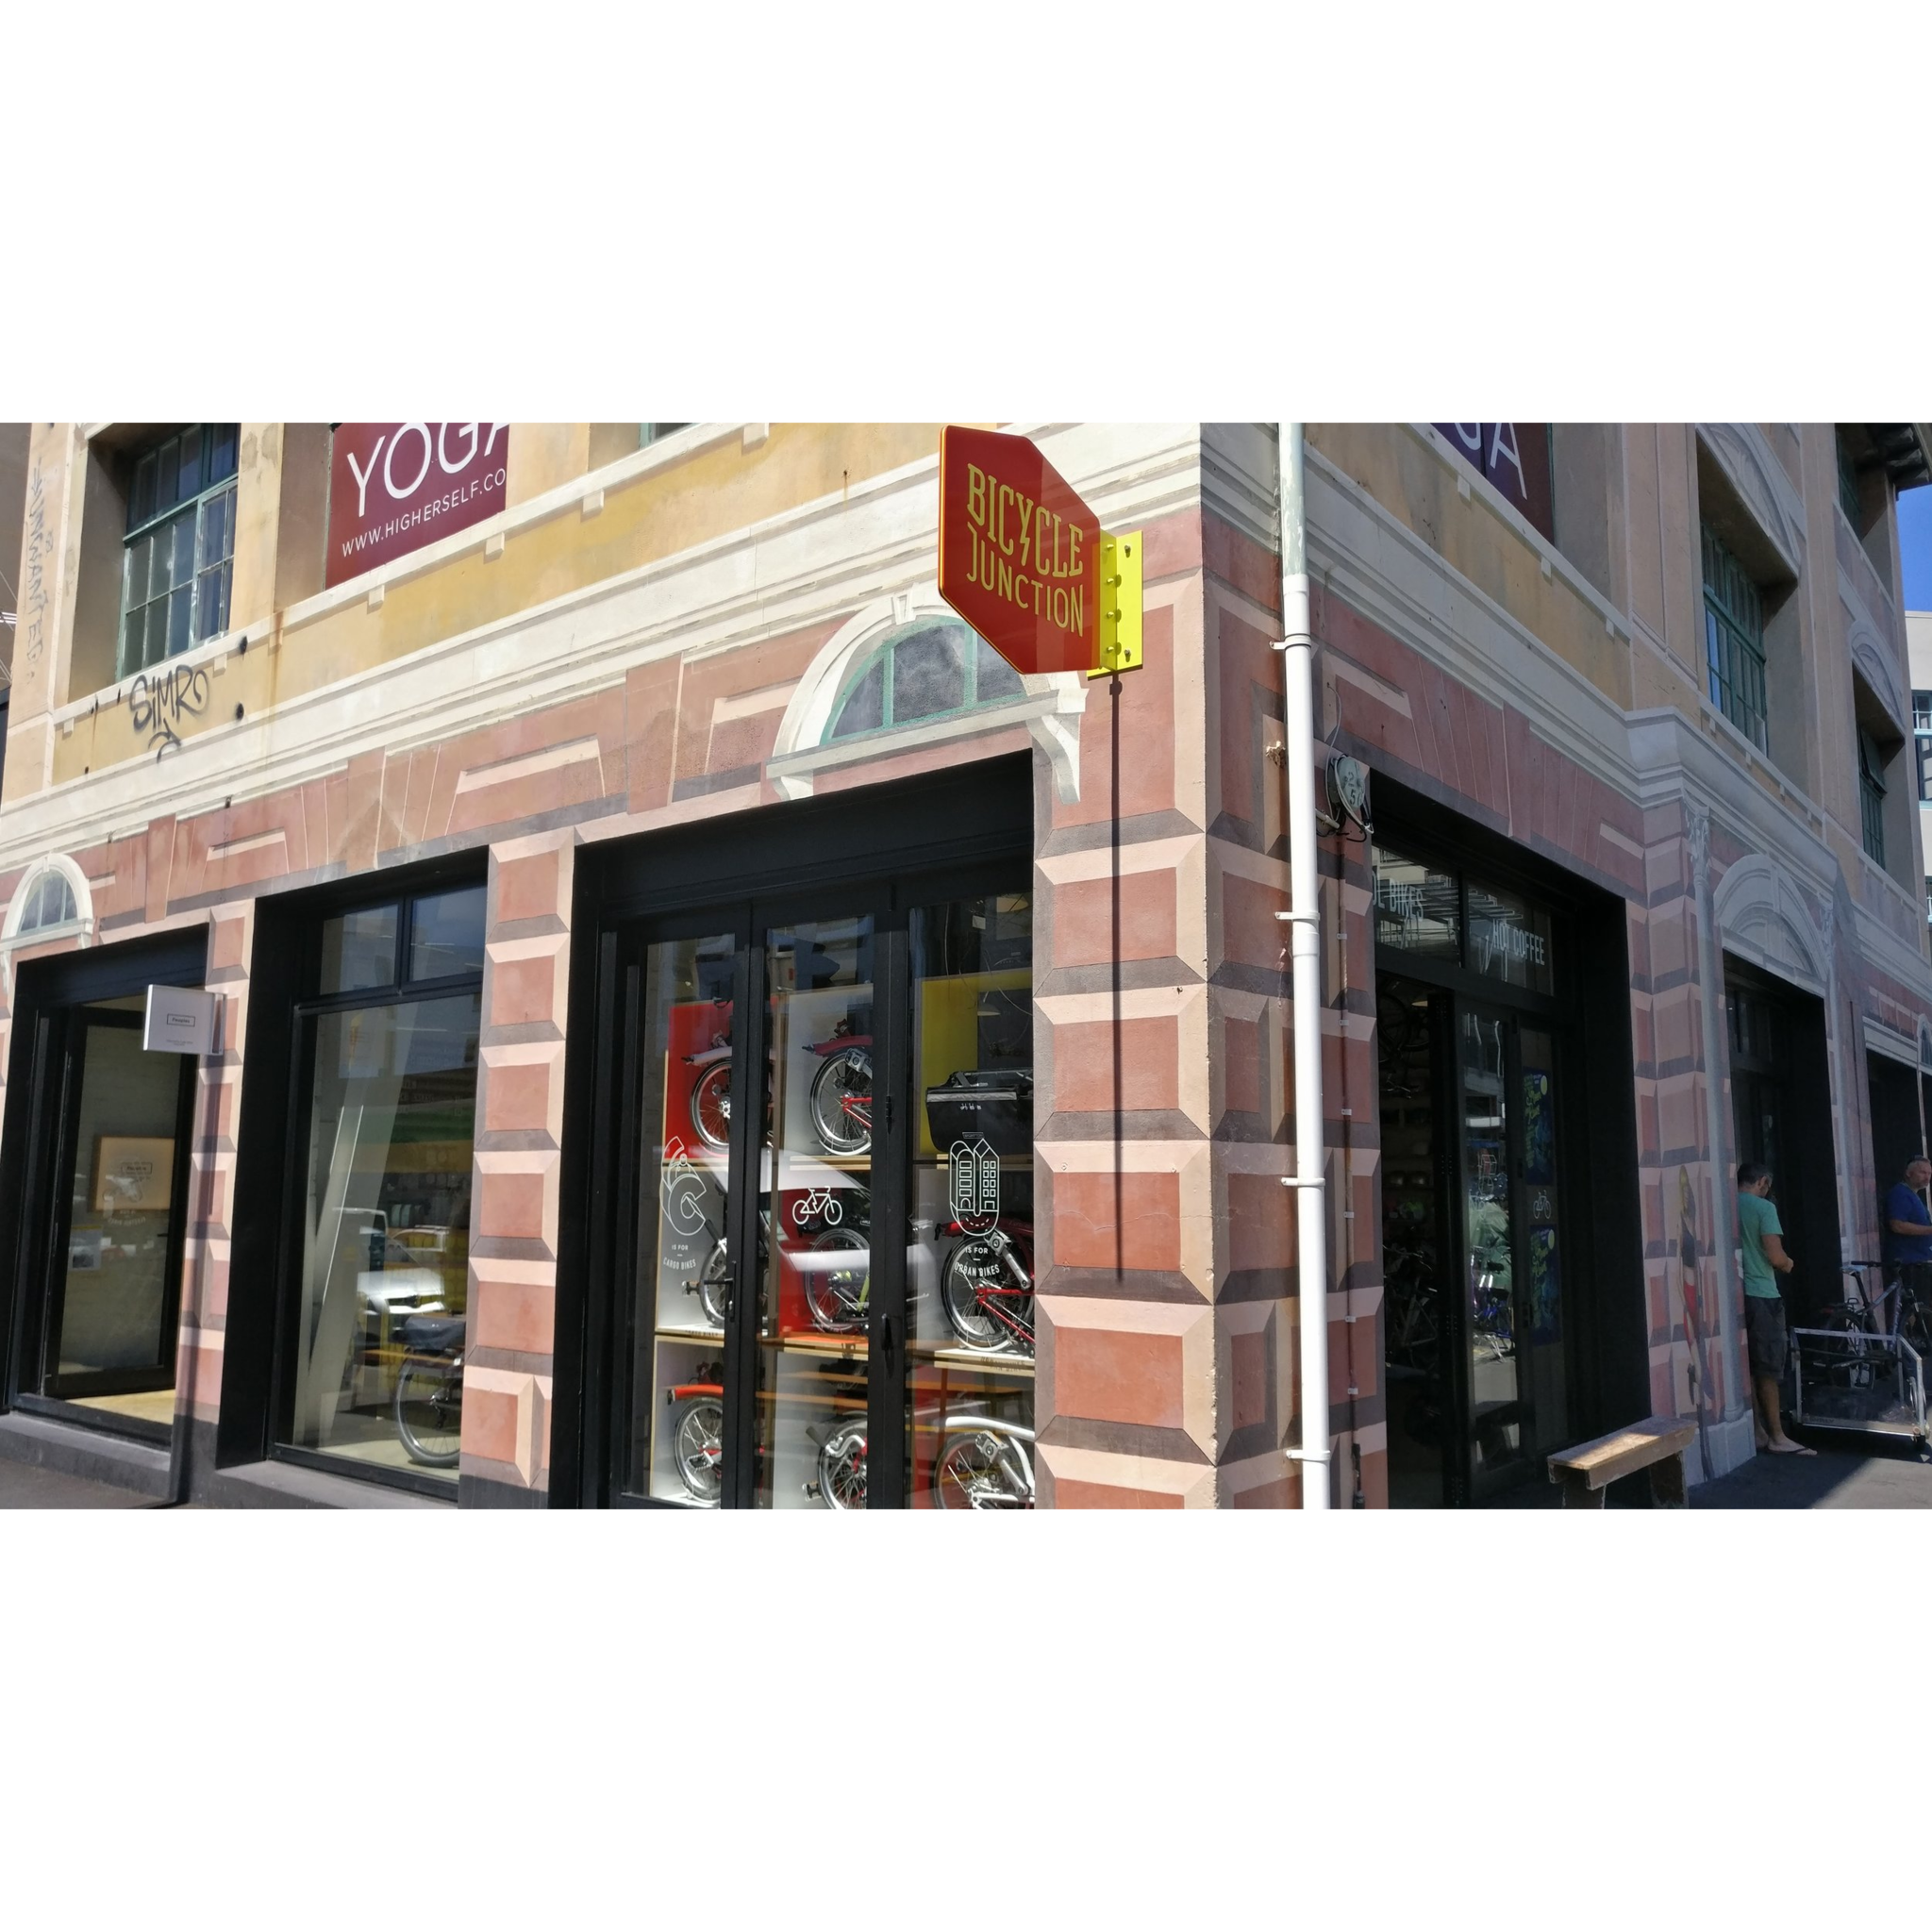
x=1658, y=1445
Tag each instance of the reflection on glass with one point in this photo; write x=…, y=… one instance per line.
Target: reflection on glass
x=675, y=1441
x=379, y=1328
x=815, y=1203
x=359, y=950
x=446, y=934
x=969, y=1316
x=1417, y=910
x=1508, y=941
x=1494, y=1388
x=112, y=1331
x=1543, y=1261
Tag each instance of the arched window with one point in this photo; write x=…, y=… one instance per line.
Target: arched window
x=926, y=671
x=49, y=902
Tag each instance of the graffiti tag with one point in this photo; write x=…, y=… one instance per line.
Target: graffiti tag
x=158, y=702
x=34, y=603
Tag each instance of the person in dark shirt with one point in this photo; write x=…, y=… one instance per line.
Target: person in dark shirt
x=1908, y=1225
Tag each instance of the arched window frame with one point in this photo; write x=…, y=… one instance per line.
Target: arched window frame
x=884, y=651
x=1049, y=707
x=80, y=928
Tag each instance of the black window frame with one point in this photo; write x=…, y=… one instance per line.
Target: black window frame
x=304, y=1010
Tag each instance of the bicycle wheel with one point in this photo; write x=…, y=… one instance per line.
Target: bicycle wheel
x=429, y=1413
x=836, y=1297
x=1915, y=1329
x=841, y=1102
x=971, y=1474
x=714, y=1285
x=842, y=1467
x=1846, y=1357
x=971, y=1268
x=697, y=1446
x=710, y=1105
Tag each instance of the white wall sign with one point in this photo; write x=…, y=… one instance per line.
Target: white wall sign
x=182, y=1018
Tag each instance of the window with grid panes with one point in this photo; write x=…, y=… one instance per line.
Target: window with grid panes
x=1734, y=639
x=177, y=568
x=1847, y=481
x=1871, y=797
x=1922, y=741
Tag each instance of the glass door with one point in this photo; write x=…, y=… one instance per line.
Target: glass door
x=115, y=1273
x=672, y=1446
x=830, y=1299
x=969, y=1291
x=1493, y=1363
x=815, y=1220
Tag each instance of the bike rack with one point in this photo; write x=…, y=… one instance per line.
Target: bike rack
x=1868, y=1384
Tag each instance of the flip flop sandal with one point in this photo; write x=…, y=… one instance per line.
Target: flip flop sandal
x=1792, y=1449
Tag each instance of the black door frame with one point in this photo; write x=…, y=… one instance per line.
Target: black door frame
x=46, y=994
x=1605, y=1324
x=884, y=849
x=78, y=1024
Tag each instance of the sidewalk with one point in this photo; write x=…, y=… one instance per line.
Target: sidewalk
x=27, y=1486
x=1838, y=1477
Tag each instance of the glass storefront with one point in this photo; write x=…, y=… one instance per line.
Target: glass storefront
x=833, y=1196
x=372, y=1345
x=1472, y=1041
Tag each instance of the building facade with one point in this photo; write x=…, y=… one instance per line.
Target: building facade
x=696, y=1027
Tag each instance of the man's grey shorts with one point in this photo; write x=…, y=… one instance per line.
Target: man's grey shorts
x=1764, y=1330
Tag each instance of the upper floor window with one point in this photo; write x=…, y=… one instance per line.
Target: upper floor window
x=1922, y=740
x=1872, y=797
x=649, y=433
x=1734, y=639
x=179, y=558
x=925, y=672
x=1847, y=481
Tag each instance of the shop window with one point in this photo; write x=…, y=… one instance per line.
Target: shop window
x=177, y=563
x=1734, y=639
x=924, y=673
x=777, y=1251
x=373, y=1347
x=1455, y=921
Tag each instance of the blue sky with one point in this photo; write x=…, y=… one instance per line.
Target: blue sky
x=1915, y=546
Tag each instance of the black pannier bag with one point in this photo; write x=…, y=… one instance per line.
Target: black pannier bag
x=996, y=1106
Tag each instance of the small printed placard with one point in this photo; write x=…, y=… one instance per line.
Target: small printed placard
x=182, y=1018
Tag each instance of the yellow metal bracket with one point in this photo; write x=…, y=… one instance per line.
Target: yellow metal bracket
x=1120, y=598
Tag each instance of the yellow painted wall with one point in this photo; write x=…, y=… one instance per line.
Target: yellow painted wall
x=709, y=495
x=1413, y=484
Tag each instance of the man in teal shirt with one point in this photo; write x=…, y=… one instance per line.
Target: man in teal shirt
x=1761, y=1237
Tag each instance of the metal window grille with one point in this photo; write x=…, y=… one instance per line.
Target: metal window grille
x=1734, y=639
x=178, y=564
x=1871, y=797
x=1847, y=482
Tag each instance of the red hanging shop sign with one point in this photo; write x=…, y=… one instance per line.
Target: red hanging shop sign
x=1026, y=562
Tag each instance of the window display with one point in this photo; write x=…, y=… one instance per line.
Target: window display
x=798, y=1405
x=970, y=1322
x=372, y=1359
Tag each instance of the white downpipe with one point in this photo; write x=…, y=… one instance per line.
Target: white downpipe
x=1304, y=919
